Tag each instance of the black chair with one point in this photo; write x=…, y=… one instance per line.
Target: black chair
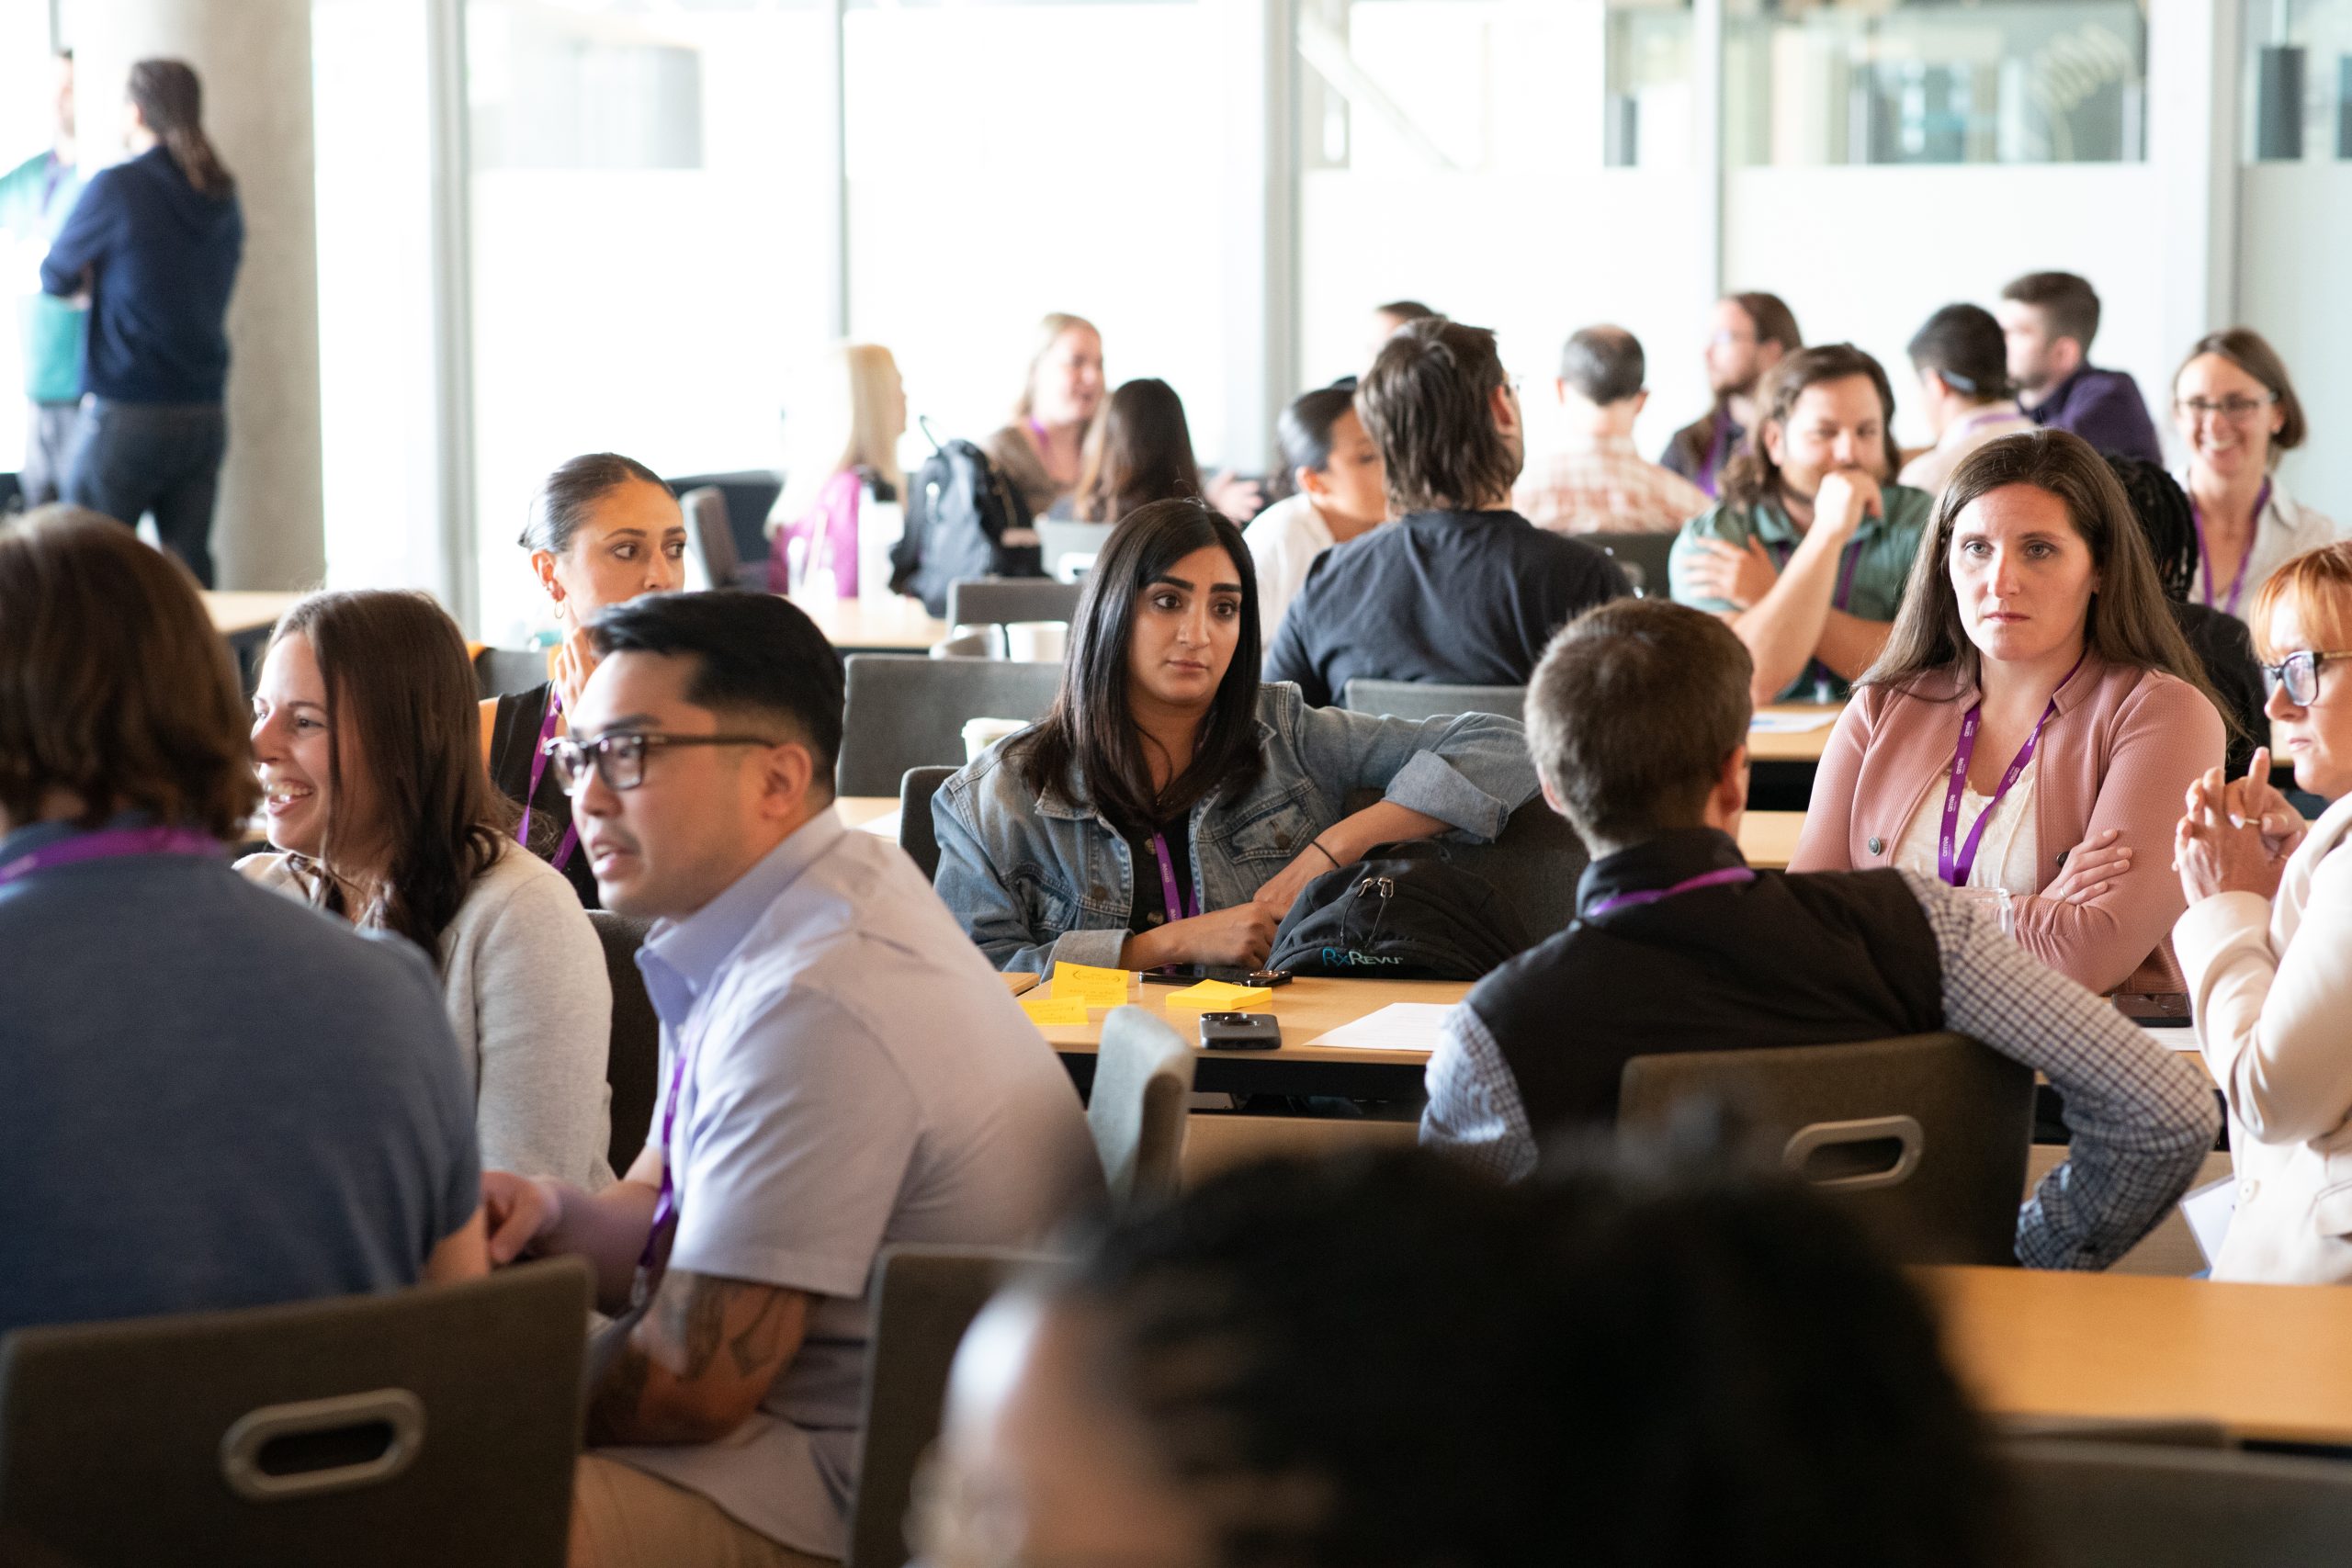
x=1431, y=699
x=2093, y=1505
x=915, y=834
x=710, y=543
x=999, y=601
x=924, y=1298
x=904, y=711
x=437, y=1424
x=1922, y=1139
x=750, y=496
x=1643, y=557
x=509, y=671
x=633, y=1057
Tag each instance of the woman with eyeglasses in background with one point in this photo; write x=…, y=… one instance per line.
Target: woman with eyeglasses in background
x=2236, y=413
x=2267, y=942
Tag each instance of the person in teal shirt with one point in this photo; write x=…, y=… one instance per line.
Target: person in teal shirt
x=1807, y=554
x=35, y=198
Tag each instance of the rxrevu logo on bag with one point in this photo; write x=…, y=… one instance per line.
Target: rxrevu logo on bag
x=1349, y=958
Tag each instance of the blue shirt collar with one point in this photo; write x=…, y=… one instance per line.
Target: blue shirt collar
x=681, y=958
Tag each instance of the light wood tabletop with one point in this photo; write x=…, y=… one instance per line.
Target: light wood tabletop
x=2271, y=1362
x=236, y=611
x=1803, y=745
x=874, y=812
x=1307, y=1008
x=1768, y=838
x=895, y=624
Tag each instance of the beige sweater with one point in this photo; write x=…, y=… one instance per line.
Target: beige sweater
x=523, y=978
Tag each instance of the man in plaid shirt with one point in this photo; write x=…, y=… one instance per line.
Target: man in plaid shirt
x=1599, y=483
x=1638, y=717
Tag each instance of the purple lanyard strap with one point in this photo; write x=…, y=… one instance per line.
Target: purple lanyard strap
x=539, y=771
x=1722, y=878
x=665, y=1200
x=1179, y=908
x=2205, y=560
x=1710, y=471
x=1954, y=862
x=1814, y=671
x=114, y=843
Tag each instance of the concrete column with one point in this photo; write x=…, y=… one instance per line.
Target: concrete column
x=254, y=57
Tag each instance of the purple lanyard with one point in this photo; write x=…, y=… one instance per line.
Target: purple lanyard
x=1178, y=907
x=1847, y=561
x=1953, y=865
x=539, y=771
x=1709, y=470
x=1722, y=878
x=2205, y=561
x=665, y=1200
x=113, y=844
x=1973, y=421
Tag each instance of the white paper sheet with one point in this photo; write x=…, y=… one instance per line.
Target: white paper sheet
x=1791, y=723
x=1399, y=1026
x=2182, y=1040
x=2208, y=1211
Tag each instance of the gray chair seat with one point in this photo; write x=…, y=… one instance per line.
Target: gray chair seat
x=1642, y=557
x=1429, y=699
x=2107, y=1505
x=998, y=601
x=1143, y=1074
x=633, y=1055
x=916, y=834
x=905, y=711
x=509, y=671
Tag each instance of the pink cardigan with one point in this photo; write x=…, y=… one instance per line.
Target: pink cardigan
x=2121, y=752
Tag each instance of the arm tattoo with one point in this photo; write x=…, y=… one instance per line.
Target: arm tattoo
x=683, y=1333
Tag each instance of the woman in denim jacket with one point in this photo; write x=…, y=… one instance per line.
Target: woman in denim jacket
x=1170, y=807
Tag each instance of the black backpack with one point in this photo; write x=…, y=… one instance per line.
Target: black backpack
x=1404, y=912
x=963, y=521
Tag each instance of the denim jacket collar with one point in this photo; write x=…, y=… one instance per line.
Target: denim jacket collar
x=1056, y=802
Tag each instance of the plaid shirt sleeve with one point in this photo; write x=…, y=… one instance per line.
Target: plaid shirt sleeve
x=2141, y=1117
x=1474, y=1112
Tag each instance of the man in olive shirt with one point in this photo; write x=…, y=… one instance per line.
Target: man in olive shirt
x=1806, y=555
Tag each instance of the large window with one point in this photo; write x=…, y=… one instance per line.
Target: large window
x=2299, y=81
x=1925, y=81
x=25, y=126
x=648, y=251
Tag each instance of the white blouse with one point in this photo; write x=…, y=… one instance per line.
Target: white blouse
x=2012, y=844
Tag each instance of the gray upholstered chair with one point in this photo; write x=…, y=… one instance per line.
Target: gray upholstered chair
x=509, y=671
x=633, y=1057
x=1642, y=557
x=1429, y=699
x=2095, y=1505
x=1922, y=1139
x=998, y=601
x=711, y=561
x=915, y=831
x=1071, y=544
x=904, y=711
x=1143, y=1074
x=924, y=1298
x=437, y=1424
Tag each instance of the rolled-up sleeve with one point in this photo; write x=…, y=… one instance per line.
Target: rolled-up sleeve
x=1469, y=771
x=1713, y=525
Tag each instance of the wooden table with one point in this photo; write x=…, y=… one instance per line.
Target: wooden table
x=874, y=812
x=1768, y=838
x=241, y=614
x=896, y=625
x=1307, y=1008
x=1804, y=745
x=2270, y=1362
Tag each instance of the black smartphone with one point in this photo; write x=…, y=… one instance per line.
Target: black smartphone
x=1240, y=1032
x=1232, y=975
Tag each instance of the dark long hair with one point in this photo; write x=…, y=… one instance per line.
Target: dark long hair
x=1140, y=450
x=399, y=681
x=171, y=100
x=1091, y=733
x=1774, y=322
x=2128, y=622
x=1753, y=478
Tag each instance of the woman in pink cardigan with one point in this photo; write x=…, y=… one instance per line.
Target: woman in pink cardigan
x=2031, y=727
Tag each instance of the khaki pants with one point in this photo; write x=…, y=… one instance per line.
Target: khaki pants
x=622, y=1518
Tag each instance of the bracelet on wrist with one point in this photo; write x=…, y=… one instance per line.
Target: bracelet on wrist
x=1318, y=843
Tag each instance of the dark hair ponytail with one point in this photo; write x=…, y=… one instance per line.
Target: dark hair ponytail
x=171, y=101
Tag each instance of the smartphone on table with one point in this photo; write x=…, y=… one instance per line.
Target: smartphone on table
x=1240, y=1032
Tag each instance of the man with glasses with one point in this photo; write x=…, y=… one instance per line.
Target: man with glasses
x=2050, y=319
x=1461, y=587
x=840, y=1071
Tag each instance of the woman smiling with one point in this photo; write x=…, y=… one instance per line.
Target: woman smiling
x=1170, y=807
x=2030, y=726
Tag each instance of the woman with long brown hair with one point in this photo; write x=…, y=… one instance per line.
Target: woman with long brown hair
x=369, y=748
x=2034, y=722
x=1139, y=450
x=155, y=243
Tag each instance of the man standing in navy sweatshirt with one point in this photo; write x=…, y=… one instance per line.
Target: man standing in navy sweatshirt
x=2050, y=319
x=155, y=244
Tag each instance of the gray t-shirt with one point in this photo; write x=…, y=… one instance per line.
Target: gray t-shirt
x=211, y=1097
x=857, y=1076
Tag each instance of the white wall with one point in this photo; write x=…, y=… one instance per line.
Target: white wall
x=2295, y=234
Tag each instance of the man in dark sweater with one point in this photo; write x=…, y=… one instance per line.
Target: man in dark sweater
x=2050, y=319
x=1638, y=719
x=1461, y=589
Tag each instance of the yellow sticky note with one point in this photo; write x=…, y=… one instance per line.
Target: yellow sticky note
x=1218, y=994
x=1096, y=987
x=1048, y=1012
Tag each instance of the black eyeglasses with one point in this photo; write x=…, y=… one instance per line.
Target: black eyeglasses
x=2298, y=675
x=620, y=758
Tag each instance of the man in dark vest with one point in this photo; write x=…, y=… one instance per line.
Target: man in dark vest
x=1638, y=719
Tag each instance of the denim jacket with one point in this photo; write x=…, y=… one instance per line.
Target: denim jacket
x=1038, y=880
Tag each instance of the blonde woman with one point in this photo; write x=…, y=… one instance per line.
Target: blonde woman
x=841, y=441
x=1041, y=452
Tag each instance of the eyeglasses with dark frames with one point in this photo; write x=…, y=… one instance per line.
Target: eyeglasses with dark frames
x=2298, y=673
x=619, y=758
